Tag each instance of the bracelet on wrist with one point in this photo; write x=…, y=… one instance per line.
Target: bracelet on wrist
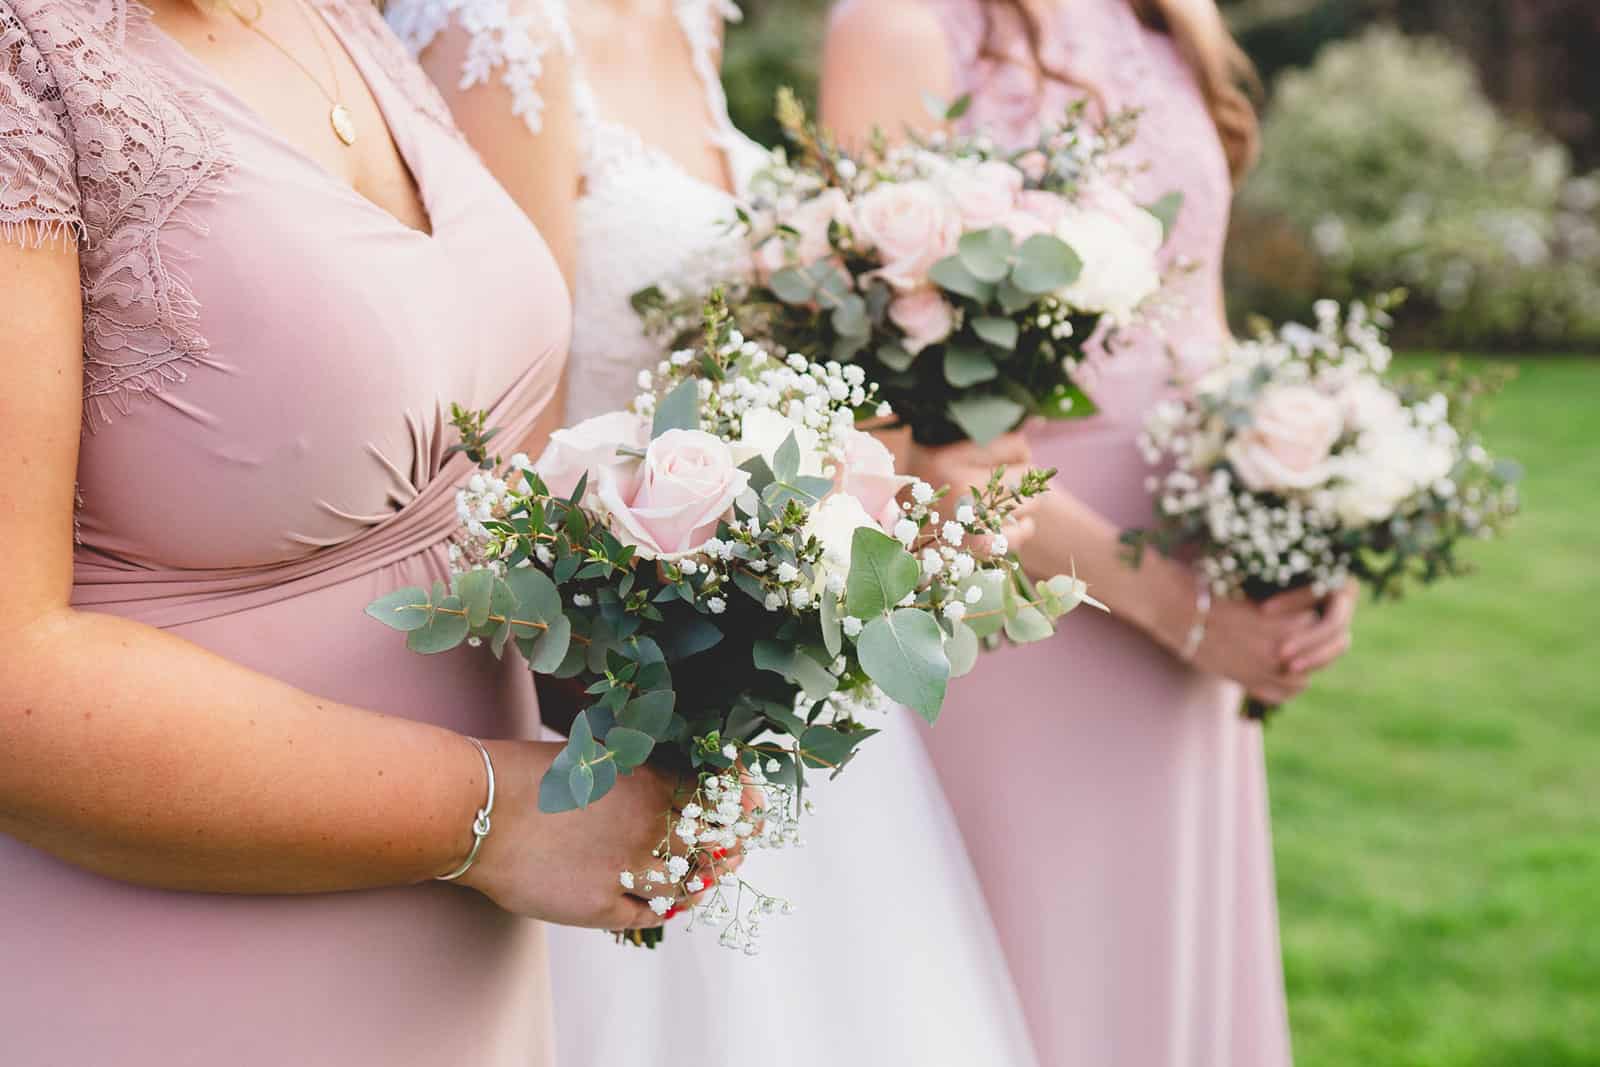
x=1197, y=629
x=481, y=824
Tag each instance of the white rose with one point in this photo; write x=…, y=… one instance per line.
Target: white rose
x=1118, y=242
x=1289, y=441
x=763, y=431
x=1369, y=404
x=834, y=523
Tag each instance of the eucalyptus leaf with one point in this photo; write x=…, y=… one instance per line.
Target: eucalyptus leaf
x=882, y=572
x=649, y=713
x=961, y=649
x=903, y=654
x=679, y=409
x=828, y=611
x=581, y=781
x=984, y=616
x=965, y=367
x=786, y=460
x=629, y=747
x=827, y=747
x=1067, y=401
x=1011, y=299
x=548, y=652
x=986, y=253
x=850, y=317
x=442, y=632
x=1045, y=264
x=792, y=286
x=1002, y=333
x=1027, y=624
x=403, y=610
x=537, y=597
x=796, y=666
x=1167, y=210
x=555, y=789
x=983, y=418
x=688, y=636
x=953, y=276
x=476, y=589
x=895, y=357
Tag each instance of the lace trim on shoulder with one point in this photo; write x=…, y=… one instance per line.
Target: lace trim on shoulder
x=146, y=154
x=500, y=39
x=38, y=194
x=363, y=19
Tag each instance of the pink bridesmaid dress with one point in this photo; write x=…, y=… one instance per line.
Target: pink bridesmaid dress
x=1112, y=798
x=268, y=357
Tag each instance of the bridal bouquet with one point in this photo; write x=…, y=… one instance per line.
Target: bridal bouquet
x=1295, y=463
x=964, y=280
x=735, y=574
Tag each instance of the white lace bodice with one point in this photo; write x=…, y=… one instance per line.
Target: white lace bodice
x=642, y=218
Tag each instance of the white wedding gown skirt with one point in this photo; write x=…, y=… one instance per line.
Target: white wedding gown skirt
x=889, y=960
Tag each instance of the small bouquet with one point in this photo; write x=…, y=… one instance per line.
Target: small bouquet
x=1294, y=463
x=965, y=281
x=731, y=573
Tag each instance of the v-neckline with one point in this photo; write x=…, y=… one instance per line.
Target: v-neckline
x=377, y=86
x=719, y=128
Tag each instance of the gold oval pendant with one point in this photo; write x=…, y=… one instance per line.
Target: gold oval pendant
x=343, y=123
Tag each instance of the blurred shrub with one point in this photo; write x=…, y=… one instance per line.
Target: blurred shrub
x=1384, y=164
x=777, y=44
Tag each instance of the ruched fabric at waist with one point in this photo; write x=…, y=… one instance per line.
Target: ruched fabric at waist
x=168, y=597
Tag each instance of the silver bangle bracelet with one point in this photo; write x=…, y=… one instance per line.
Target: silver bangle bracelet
x=1202, y=615
x=480, y=825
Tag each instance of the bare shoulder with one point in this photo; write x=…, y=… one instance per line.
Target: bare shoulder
x=909, y=29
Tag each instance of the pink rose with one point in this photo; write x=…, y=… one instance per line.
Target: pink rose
x=912, y=225
x=590, y=448
x=1289, y=442
x=687, y=485
x=924, y=317
x=1036, y=212
x=811, y=222
x=866, y=472
x=985, y=194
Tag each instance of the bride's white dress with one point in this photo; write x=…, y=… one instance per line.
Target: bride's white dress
x=891, y=959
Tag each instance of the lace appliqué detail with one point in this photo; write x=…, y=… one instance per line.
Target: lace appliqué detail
x=38, y=195
x=500, y=39
x=143, y=157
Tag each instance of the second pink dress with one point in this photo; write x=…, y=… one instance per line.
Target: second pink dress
x=1124, y=849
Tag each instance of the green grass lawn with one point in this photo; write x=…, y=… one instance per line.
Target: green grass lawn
x=1436, y=797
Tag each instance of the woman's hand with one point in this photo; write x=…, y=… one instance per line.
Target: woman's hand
x=564, y=868
x=1273, y=647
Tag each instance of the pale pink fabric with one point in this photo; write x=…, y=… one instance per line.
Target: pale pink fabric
x=269, y=358
x=1113, y=800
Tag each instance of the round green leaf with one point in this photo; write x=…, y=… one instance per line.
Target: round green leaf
x=442, y=632
x=961, y=649
x=986, y=253
x=549, y=649
x=1045, y=264
x=404, y=609
x=983, y=418
x=904, y=654
x=629, y=747
x=964, y=367
x=881, y=574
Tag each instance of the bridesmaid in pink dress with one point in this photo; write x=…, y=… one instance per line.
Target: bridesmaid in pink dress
x=246, y=262
x=1113, y=800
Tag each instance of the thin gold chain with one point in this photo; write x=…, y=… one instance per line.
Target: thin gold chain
x=252, y=23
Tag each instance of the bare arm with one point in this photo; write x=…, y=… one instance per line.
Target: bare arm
x=142, y=757
x=859, y=92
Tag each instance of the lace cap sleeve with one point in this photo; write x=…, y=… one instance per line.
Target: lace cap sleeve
x=38, y=189
x=507, y=40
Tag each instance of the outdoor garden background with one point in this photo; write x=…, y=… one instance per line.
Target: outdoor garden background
x=1436, y=798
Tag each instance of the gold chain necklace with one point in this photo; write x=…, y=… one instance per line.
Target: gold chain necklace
x=340, y=117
